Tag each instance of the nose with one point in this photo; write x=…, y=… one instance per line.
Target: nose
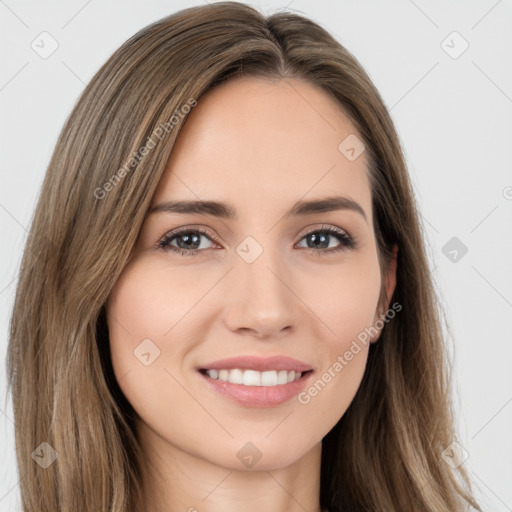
x=259, y=298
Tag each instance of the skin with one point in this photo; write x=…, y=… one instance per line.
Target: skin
x=260, y=146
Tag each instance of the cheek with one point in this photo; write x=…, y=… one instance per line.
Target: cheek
x=345, y=300
x=138, y=318
x=150, y=301
x=140, y=313
x=347, y=307
x=140, y=303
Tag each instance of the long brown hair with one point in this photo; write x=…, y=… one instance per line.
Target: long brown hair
x=385, y=452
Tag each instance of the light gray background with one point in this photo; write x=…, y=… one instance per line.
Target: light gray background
x=454, y=117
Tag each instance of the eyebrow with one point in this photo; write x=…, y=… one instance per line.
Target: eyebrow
x=225, y=211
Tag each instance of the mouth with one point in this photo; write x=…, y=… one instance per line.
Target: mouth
x=257, y=382
x=254, y=377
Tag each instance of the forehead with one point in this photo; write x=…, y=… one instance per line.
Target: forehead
x=252, y=140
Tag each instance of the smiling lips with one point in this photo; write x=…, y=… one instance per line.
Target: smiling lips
x=257, y=382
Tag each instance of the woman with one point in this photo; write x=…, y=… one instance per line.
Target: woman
x=224, y=302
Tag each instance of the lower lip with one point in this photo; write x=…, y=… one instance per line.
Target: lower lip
x=257, y=396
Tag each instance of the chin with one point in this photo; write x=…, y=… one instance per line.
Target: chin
x=260, y=454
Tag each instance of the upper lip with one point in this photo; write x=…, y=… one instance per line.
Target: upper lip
x=258, y=363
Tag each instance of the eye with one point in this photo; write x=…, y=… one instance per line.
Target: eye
x=320, y=238
x=188, y=240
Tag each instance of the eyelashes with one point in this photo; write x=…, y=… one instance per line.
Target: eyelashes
x=192, y=236
x=165, y=242
x=346, y=242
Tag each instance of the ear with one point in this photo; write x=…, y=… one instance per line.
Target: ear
x=390, y=279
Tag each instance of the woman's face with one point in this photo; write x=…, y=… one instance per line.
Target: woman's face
x=245, y=350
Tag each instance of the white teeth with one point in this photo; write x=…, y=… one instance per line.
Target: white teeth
x=269, y=378
x=214, y=374
x=253, y=377
x=282, y=377
x=236, y=376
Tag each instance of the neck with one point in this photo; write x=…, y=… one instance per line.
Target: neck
x=176, y=481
